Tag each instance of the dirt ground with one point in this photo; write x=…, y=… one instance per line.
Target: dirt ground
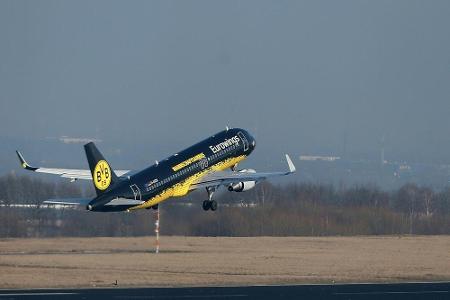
x=197, y=261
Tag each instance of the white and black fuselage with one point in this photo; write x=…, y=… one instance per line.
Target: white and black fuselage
x=174, y=170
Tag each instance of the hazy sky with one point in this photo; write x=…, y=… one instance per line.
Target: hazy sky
x=301, y=75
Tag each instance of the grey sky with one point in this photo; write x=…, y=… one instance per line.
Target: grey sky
x=301, y=75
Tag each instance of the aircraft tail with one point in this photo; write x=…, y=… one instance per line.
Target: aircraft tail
x=103, y=175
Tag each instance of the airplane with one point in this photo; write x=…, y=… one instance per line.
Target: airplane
x=203, y=165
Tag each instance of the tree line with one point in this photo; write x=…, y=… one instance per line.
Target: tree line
x=296, y=209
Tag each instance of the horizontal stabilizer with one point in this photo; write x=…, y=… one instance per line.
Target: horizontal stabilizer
x=124, y=201
x=68, y=201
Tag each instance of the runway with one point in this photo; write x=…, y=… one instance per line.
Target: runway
x=437, y=290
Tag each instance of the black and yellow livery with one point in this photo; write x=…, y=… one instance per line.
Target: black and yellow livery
x=208, y=164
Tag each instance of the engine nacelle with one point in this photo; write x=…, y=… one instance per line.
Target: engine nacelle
x=243, y=186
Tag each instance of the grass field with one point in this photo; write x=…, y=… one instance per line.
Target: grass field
x=197, y=261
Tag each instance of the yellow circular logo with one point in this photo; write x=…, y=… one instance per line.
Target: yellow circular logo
x=102, y=175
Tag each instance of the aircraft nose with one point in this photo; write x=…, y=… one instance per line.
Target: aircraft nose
x=251, y=141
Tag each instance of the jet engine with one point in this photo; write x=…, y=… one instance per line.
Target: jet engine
x=244, y=185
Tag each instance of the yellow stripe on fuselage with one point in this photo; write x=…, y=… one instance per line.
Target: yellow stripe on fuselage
x=189, y=161
x=182, y=188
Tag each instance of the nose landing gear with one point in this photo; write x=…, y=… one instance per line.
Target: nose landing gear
x=154, y=207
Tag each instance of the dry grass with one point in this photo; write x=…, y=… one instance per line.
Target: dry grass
x=194, y=261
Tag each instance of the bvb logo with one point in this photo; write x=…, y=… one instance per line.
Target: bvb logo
x=102, y=175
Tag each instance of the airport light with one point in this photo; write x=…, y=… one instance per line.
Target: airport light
x=157, y=231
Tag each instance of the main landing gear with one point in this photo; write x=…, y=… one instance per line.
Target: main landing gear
x=207, y=204
x=210, y=204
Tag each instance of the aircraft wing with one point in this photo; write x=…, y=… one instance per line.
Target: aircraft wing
x=72, y=174
x=229, y=177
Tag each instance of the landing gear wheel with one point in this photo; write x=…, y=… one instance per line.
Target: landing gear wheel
x=206, y=205
x=155, y=207
x=213, y=205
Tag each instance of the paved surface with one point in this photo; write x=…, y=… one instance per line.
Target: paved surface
x=439, y=290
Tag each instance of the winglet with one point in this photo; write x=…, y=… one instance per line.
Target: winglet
x=23, y=162
x=290, y=164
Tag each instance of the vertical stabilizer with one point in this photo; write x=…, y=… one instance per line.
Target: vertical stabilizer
x=103, y=175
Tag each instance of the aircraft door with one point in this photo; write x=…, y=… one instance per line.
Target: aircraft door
x=136, y=192
x=244, y=140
